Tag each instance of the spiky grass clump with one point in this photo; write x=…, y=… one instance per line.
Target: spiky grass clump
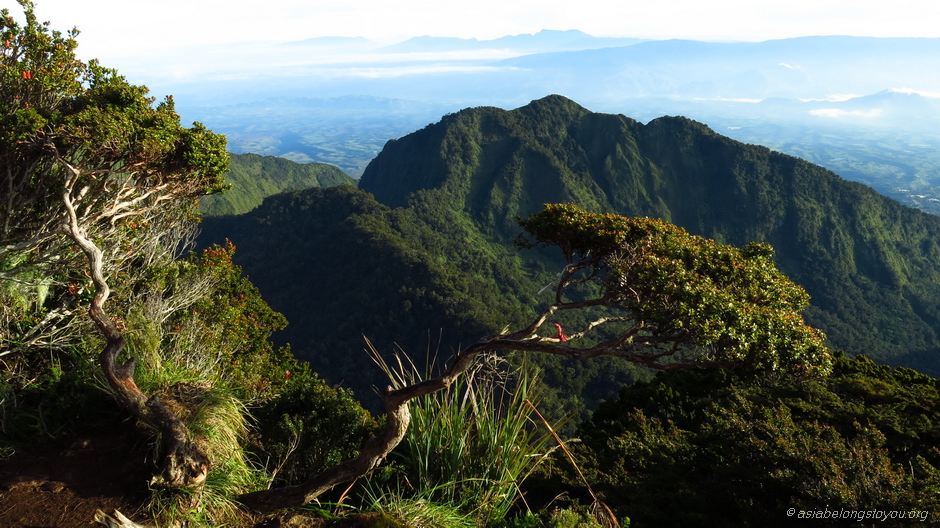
x=217, y=419
x=422, y=513
x=474, y=443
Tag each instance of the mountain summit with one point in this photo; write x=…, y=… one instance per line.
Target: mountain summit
x=869, y=263
x=429, y=260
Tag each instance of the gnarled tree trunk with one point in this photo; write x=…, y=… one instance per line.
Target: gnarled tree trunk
x=628, y=345
x=184, y=463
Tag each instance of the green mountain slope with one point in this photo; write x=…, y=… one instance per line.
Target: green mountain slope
x=435, y=264
x=341, y=265
x=253, y=178
x=870, y=264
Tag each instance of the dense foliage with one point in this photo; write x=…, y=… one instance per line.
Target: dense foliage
x=714, y=448
x=730, y=306
x=83, y=147
x=307, y=426
x=252, y=178
x=92, y=167
x=78, y=138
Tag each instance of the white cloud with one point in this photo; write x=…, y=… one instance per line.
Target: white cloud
x=832, y=98
x=922, y=93
x=113, y=27
x=839, y=113
x=746, y=100
x=403, y=71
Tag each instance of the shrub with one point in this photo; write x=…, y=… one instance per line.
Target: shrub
x=308, y=426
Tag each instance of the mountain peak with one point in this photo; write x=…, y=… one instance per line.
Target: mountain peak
x=458, y=139
x=487, y=167
x=550, y=117
x=569, y=32
x=554, y=104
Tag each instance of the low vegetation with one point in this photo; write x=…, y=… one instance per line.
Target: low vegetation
x=739, y=450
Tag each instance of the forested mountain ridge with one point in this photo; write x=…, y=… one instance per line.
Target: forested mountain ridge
x=391, y=274
x=350, y=252
x=432, y=255
x=869, y=263
x=252, y=178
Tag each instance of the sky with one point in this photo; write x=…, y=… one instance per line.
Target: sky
x=116, y=28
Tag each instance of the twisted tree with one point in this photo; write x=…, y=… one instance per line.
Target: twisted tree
x=657, y=296
x=91, y=167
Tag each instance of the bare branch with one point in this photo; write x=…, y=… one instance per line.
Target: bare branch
x=396, y=401
x=185, y=464
x=372, y=454
x=594, y=324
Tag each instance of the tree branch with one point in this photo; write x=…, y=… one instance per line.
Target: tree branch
x=184, y=463
x=594, y=324
x=396, y=401
x=377, y=448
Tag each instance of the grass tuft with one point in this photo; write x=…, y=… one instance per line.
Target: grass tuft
x=472, y=444
x=217, y=419
x=419, y=510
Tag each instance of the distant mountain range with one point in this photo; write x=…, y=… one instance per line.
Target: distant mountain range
x=866, y=108
x=546, y=40
x=598, y=69
x=542, y=41
x=433, y=250
x=790, y=68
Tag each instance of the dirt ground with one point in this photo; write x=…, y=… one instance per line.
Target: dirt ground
x=61, y=486
x=104, y=468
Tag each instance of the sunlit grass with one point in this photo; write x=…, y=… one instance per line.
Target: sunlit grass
x=418, y=508
x=217, y=421
x=472, y=444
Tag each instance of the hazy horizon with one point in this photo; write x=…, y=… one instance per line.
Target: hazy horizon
x=275, y=79
x=114, y=28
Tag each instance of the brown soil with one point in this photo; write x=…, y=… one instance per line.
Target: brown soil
x=106, y=468
x=62, y=486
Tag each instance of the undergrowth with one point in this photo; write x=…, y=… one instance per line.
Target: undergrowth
x=470, y=446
